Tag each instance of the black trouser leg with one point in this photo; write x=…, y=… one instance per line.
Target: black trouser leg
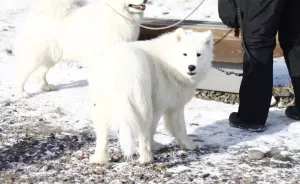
x=261, y=20
x=256, y=89
x=289, y=38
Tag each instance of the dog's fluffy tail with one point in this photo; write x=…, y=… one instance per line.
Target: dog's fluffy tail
x=56, y=8
x=135, y=117
x=128, y=130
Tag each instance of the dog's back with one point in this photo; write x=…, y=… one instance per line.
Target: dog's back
x=54, y=8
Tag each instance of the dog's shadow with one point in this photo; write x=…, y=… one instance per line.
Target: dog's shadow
x=59, y=87
x=219, y=136
x=227, y=136
x=75, y=84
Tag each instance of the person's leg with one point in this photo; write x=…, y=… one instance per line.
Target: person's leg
x=261, y=20
x=289, y=37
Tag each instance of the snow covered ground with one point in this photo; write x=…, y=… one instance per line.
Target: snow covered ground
x=48, y=138
x=178, y=9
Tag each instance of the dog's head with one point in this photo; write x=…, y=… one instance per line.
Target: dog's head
x=136, y=6
x=132, y=6
x=192, y=53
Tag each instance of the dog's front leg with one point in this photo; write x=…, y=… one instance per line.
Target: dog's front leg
x=155, y=145
x=175, y=124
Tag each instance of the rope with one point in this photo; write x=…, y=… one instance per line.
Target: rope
x=223, y=37
x=160, y=28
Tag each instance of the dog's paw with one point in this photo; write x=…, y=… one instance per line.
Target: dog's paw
x=22, y=95
x=157, y=146
x=48, y=87
x=188, y=145
x=98, y=159
x=145, y=157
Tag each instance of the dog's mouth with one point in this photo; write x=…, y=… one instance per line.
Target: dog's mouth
x=141, y=7
x=191, y=73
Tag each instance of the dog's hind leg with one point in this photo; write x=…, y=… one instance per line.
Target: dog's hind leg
x=145, y=144
x=144, y=115
x=174, y=121
x=102, y=130
x=42, y=74
x=24, y=69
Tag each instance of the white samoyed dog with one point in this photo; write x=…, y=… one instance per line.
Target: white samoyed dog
x=139, y=82
x=70, y=29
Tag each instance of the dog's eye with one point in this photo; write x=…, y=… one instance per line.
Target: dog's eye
x=198, y=54
x=184, y=54
x=145, y=1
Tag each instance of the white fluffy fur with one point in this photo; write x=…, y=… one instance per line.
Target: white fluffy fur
x=141, y=81
x=70, y=30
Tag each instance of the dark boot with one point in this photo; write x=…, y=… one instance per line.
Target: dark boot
x=292, y=112
x=234, y=121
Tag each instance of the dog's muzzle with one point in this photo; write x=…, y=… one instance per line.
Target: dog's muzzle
x=141, y=7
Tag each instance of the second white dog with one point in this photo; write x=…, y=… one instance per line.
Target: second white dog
x=137, y=83
x=60, y=29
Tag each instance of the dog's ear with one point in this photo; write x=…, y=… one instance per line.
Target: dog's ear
x=179, y=34
x=209, y=38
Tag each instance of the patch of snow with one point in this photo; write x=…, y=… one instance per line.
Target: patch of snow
x=178, y=169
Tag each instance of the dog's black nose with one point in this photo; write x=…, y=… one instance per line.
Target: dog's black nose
x=192, y=67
